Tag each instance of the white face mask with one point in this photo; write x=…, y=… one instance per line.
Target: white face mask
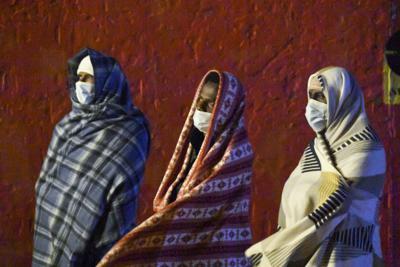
x=316, y=115
x=84, y=92
x=202, y=120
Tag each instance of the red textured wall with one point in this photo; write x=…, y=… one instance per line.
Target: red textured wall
x=165, y=47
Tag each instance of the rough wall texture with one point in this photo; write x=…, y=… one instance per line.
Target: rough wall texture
x=165, y=47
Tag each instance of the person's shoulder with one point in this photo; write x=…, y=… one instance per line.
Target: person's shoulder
x=62, y=125
x=135, y=132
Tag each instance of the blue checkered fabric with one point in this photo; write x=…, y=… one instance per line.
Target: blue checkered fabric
x=86, y=193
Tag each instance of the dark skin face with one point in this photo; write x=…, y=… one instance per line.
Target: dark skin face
x=315, y=91
x=86, y=77
x=207, y=97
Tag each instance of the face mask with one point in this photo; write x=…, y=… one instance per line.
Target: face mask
x=84, y=92
x=201, y=120
x=316, y=115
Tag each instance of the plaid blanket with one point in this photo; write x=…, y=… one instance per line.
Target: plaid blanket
x=87, y=190
x=208, y=223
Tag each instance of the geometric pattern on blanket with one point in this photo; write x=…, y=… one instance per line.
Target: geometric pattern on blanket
x=255, y=259
x=367, y=134
x=349, y=243
x=310, y=160
x=332, y=195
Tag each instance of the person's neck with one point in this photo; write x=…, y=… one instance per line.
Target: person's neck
x=196, y=139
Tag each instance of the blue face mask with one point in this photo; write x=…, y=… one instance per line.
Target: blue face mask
x=316, y=115
x=84, y=92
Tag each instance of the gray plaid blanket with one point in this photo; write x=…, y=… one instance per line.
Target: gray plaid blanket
x=86, y=193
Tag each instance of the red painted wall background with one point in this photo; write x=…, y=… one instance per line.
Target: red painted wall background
x=165, y=47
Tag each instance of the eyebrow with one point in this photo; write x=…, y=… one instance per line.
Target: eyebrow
x=316, y=93
x=85, y=75
x=207, y=97
x=316, y=90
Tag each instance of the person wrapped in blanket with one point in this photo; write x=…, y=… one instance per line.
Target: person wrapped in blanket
x=330, y=203
x=86, y=193
x=202, y=205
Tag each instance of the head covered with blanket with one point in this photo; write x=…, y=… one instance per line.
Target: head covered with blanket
x=87, y=188
x=208, y=223
x=330, y=203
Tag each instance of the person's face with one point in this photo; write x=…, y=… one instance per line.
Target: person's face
x=315, y=91
x=207, y=97
x=86, y=77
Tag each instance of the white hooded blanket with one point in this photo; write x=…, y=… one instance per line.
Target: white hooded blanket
x=329, y=207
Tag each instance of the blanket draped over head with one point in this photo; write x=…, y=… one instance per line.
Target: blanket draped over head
x=329, y=207
x=87, y=189
x=208, y=223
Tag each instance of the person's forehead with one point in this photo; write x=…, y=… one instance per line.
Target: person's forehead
x=315, y=83
x=315, y=90
x=315, y=80
x=82, y=73
x=210, y=88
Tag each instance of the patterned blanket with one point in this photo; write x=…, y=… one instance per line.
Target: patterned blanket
x=330, y=203
x=208, y=223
